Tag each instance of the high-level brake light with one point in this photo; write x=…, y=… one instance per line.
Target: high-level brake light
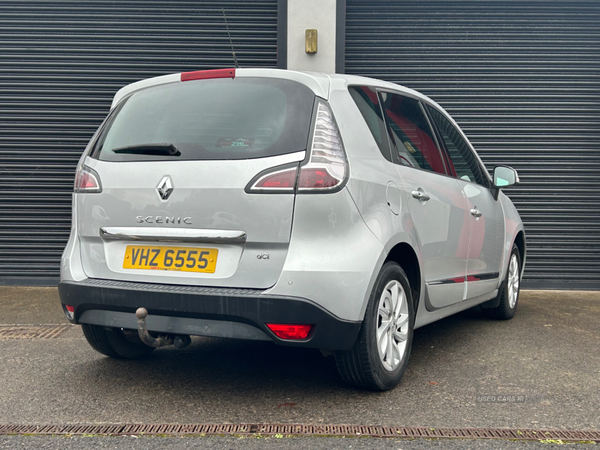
x=208, y=74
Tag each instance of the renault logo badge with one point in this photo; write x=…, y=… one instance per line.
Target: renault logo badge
x=165, y=187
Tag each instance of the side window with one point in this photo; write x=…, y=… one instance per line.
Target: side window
x=464, y=164
x=411, y=137
x=368, y=103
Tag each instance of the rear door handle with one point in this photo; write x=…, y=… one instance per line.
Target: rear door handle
x=420, y=195
x=476, y=213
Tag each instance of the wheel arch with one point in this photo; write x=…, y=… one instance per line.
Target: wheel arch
x=405, y=256
x=521, y=245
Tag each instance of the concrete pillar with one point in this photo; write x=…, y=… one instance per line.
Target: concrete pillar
x=311, y=14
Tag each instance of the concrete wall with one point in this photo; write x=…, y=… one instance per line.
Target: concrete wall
x=311, y=14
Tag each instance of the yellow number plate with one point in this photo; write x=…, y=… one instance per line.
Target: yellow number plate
x=183, y=259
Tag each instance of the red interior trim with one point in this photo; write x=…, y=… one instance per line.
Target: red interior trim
x=421, y=139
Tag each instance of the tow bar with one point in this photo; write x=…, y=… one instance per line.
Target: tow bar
x=179, y=340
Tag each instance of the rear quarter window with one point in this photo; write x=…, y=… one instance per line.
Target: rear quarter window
x=218, y=119
x=367, y=101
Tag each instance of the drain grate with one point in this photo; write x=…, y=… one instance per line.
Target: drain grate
x=302, y=430
x=32, y=331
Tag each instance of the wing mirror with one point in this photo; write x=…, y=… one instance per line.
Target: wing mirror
x=505, y=176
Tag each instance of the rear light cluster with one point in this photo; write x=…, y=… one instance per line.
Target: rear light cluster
x=326, y=169
x=87, y=180
x=327, y=166
x=284, y=179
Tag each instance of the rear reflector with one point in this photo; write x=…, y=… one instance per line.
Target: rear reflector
x=70, y=312
x=208, y=74
x=87, y=180
x=286, y=331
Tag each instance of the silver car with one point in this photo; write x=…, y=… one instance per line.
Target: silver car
x=326, y=211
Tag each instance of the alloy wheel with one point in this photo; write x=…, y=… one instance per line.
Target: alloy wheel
x=392, y=325
x=513, y=281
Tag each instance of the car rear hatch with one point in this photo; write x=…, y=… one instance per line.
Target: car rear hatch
x=169, y=193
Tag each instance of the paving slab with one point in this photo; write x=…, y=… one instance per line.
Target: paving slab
x=30, y=305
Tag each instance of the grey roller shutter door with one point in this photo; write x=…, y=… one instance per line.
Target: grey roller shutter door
x=60, y=64
x=523, y=81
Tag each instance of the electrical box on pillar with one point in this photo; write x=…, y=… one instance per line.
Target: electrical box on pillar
x=311, y=41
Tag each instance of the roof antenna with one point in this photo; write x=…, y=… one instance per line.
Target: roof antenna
x=237, y=66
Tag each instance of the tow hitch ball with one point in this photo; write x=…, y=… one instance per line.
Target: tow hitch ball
x=178, y=340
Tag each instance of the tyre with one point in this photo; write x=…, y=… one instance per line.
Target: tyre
x=380, y=354
x=115, y=342
x=508, y=294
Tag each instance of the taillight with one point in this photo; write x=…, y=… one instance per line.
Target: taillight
x=87, y=181
x=290, y=332
x=278, y=180
x=327, y=168
x=317, y=178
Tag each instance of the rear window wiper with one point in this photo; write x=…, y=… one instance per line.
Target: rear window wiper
x=149, y=149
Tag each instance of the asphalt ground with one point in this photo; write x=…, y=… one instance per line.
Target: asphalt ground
x=464, y=370
x=312, y=443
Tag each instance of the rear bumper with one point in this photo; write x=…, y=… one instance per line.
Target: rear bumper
x=204, y=311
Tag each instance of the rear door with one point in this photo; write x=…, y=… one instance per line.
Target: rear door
x=437, y=206
x=175, y=162
x=486, y=215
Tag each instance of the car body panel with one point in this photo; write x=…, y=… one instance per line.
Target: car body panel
x=331, y=256
x=71, y=267
x=442, y=226
x=486, y=240
x=207, y=195
x=513, y=225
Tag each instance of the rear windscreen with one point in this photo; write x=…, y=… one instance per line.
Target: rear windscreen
x=215, y=119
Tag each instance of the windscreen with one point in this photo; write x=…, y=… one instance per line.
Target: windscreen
x=214, y=119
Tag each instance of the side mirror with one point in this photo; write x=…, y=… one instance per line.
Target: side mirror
x=505, y=176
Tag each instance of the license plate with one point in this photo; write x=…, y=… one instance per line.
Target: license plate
x=183, y=259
